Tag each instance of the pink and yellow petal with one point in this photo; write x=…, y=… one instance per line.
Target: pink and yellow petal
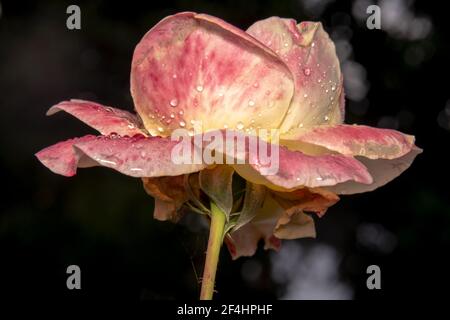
x=136, y=156
x=193, y=68
x=106, y=120
x=352, y=140
x=311, y=56
x=382, y=171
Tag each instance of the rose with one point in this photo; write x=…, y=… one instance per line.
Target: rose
x=192, y=68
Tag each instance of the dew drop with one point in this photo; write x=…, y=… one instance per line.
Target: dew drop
x=182, y=124
x=225, y=126
x=174, y=102
x=181, y=112
x=256, y=85
x=174, y=76
x=172, y=115
x=307, y=71
x=319, y=178
x=199, y=88
x=313, y=44
x=240, y=125
x=131, y=126
x=251, y=103
x=160, y=129
x=143, y=154
x=300, y=125
x=333, y=88
x=305, y=95
x=286, y=44
x=326, y=118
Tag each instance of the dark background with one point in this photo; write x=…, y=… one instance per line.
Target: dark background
x=396, y=77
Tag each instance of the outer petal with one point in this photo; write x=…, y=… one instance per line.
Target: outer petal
x=244, y=241
x=196, y=68
x=311, y=56
x=106, y=120
x=281, y=217
x=169, y=194
x=136, y=156
x=353, y=140
x=285, y=169
x=63, y=159
x=382, y=171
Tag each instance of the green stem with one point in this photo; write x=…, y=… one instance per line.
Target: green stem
x=216, y=230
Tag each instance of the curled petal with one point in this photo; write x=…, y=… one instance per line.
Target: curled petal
x=353, y=140
x=106, y=120
x=281, y=217
x=169, y=194
x=279, y=168
x=136, y=156
x=316, y=200
x=295, y=225
x=193, y=68
x=244, y=241
x=297, y=170
x=62, y=158
x=311, y=56
x=382, y=171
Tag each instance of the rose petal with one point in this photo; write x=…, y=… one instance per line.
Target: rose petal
x=316, y=200
x=197, y=68
x=169, y=194
x=382, y=171
x=353, y=140
x=106, y=120
x=63, y=159
x=311, y=56
x=136, y=156
x=284, y=169
x=244, y=241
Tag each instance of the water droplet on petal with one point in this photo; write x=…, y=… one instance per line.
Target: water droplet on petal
x=160, y=129
x=181, y=112
x=174, y=102
x=326, y=118
x=286, y=44
x=174, y=76
x=251, y=103
x=199, y=88
x=305, y=95
x=300, y=125
x=172, y=115
x=333, y=88
x=240, y=126
x=182, y=124
x=307, y=71
x=319, y=178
